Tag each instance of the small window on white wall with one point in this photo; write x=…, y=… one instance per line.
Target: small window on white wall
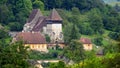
x=32, y=46
x=60, y=35
x=53, y=33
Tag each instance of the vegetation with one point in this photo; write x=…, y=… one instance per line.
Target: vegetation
x=12, y=55
x=75, y=51
x=36, y=55
x=81, y=18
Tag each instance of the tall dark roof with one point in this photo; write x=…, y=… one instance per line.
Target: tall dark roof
x=40, y=23
x=33, y=14
x=37, y=21
x=54, y=16
x=85, y=41
x=31, y=37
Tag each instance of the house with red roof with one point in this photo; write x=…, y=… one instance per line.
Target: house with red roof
x=87, y=44
x=35, y=40
x=51, y=25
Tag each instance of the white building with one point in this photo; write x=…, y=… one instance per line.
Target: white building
x=51, y=25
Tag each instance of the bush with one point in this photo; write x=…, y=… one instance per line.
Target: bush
x=114, y=35
x=15, y=26
x=98, y=41
x=39, y=55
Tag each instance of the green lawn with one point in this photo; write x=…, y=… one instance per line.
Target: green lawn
x=106, y=39
x=114, y=3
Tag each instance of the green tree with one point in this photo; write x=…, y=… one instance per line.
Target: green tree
x=14, y=55
x=71, y=33
x=15, y=26
x=60, y=64
x=38, y=4
x=110, y=23
x=5, y=14
x=98, y=41
x=47, y=38
x=67, y=33
x=114, y=61
x=114, y=35
x=74, y=51
x=74, y=33
x=20, y=9
x=75, y=19
x=3, y=34
x=96, y=20
x=75, y=11
x=69, y=4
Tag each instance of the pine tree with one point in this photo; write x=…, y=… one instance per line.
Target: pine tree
x=74, y=51
x=74, y=33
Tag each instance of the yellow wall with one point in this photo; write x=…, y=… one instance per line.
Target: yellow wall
x=61, y=45
x=87, y=46
x=39, y=47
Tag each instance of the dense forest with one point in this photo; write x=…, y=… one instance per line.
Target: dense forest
x=81, y=18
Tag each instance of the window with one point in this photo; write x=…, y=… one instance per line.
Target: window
x=53, y=33
x=32, y=46
x=38, y=46
x=42, y=46
x=88, y=44
x=60, y=35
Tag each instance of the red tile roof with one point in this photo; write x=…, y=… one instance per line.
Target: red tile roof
x=54, y=16
x=85, y=41
x=31, y=37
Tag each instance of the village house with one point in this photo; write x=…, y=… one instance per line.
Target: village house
x=87, y=44
x=50, y=25
x=35, y=29
x=34, y=40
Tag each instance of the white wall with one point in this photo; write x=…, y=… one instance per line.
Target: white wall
x=57, y=28
x=54, y=30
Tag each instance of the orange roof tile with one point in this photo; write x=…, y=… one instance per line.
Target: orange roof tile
x=31, y=37
x=85, y=41
x=54, y=16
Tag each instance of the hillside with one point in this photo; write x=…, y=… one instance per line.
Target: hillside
x=46, y=22
x=112, y=2
x=109, y=1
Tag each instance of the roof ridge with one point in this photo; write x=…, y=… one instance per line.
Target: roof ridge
x=54, y=15
x=33, y=14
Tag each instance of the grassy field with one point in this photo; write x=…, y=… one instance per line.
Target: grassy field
x=114, y=3
x=106, y=39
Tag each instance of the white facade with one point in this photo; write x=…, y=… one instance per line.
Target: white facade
x=51, y=25
x=54, y=31
x=57, y=29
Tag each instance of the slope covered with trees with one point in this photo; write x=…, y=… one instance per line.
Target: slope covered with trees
x=81, y=18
